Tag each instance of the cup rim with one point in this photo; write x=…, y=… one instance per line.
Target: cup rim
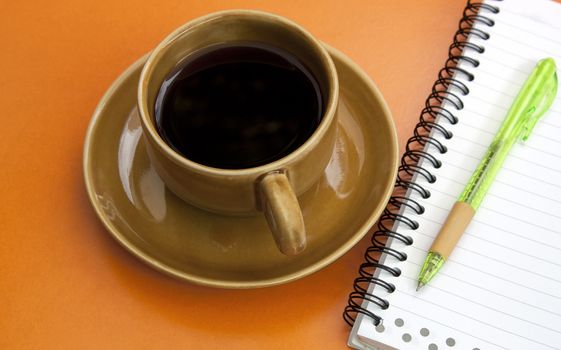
x=302, y=150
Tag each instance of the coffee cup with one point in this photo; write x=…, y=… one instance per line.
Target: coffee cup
x=269, y=186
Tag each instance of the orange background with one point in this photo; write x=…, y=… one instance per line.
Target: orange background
x=64, y=282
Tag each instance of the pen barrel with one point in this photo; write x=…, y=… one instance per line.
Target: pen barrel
x=456, y=223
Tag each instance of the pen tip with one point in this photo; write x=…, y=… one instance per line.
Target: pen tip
x=419, y=286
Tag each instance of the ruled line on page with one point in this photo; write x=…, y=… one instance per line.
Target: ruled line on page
x=502, y=91
x=534, y=135
x=481, y=69
x=521, y=68
x=487, y=273
x=452, y=197
x=514, y=170
x=437, y=224
x=459, y=167
x=418, y=267
x=553, y=110
x=451, y=327
x=526, y=18
x=510, y=155
x=478, y=321
x=506, y=107
x=483, y=206
x=525, y=253
x=484, y=306
x=503, y=65
x=498, y=228
x=501, y=229
x=506, y=63
x=537, y=49
x=495, y=259
x=536, y=164
x=499, y=120
x=496, y=195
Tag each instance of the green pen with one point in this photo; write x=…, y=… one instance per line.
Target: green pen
x=533, y=100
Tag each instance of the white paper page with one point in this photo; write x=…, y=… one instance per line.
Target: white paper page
x=501, y=288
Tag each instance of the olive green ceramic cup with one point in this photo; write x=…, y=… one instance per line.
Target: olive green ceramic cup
x=270, y=189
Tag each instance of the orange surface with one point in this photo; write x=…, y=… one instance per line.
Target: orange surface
x=64, y=282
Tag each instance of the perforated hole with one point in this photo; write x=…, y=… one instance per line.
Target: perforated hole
x=406, y=337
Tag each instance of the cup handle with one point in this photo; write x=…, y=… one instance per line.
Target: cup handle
x=283, y=214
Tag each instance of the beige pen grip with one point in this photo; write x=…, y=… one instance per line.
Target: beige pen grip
x=453, y=228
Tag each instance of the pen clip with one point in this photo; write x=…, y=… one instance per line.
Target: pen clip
x=548, y=93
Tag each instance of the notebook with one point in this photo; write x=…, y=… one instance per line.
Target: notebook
x=501, y=287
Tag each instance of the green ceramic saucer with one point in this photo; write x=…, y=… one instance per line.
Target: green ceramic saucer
x=239, y=252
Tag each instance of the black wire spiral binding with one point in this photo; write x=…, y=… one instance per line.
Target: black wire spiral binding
x=414, y=152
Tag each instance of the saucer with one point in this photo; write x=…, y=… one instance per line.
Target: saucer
x=239, y=252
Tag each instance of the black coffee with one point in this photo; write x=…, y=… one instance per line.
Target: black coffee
x=239, y=106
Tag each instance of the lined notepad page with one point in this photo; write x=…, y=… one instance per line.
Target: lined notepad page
x=501, y=288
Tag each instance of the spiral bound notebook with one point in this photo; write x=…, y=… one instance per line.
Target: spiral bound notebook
x=501, y=288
